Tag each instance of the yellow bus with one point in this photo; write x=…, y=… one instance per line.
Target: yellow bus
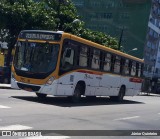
x=61, y=64
x=3, y=56
x=1, y=59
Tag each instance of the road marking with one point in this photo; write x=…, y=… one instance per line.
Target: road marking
x=15, y=127
x=4, y=107
x=127, y=118
x=48, y=137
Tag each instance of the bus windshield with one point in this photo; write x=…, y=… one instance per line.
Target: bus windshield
x=36, y=57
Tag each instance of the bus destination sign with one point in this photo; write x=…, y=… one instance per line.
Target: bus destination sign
x=40, y=36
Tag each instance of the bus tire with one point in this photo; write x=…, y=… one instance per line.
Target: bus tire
x=120, y=96
x=41, y=96
x=77, y=94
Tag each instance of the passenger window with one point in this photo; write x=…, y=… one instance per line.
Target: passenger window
x=95, y=59
x=117, y=64
x=126, y=67
x=68, y=55
x=67, y=60
x=83, y=56
x=133, y=69
x=122, y=66
x=139, y=70
x=107, y=62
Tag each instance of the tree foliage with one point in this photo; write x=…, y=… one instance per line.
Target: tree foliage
x=79, y=29
x=17, y=15
x=65, y=12
x=100, y=38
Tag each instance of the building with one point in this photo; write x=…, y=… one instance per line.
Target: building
x=152, y=50
x=128, y=18
x=152, y=46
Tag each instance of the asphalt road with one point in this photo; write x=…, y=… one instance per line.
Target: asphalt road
x=21, y=110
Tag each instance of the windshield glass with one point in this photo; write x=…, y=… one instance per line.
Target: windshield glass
x=36, y=57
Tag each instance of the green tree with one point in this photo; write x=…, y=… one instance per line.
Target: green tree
x=17, y=15
x=78, y=28
x=100, y=38
x=65, y=12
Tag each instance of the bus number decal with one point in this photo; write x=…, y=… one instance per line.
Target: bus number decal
x=136, y=80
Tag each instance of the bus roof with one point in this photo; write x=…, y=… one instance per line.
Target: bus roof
x=96, y=45
x=42, y=31
x=87, y=42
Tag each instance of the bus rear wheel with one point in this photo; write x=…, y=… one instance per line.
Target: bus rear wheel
x=41, y=96
x=120, y=96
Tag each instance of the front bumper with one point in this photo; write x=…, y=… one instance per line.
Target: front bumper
x=44, y=89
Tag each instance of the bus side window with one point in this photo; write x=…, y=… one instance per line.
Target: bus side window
x=117, y=64
x=95, y=59
x=122, y=66
x=83, y=56
x=101, y=60
x=126, y=67
x=67, y=60
x=68, y=55
x=139, y=70
x=107, y=62
x=112, y=62
x=133, y=69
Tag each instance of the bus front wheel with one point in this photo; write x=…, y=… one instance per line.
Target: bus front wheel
x=41, y=96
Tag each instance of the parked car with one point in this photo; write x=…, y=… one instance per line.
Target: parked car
x=5, y=75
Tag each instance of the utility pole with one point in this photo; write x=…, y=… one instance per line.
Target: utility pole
x=120, y=39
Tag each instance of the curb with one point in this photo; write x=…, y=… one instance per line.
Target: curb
x=148, y=94
x=8, y=86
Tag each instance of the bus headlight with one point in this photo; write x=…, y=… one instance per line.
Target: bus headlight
x=50, y=81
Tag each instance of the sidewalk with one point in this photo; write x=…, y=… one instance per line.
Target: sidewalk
x=5, y=86
x=148, y=94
